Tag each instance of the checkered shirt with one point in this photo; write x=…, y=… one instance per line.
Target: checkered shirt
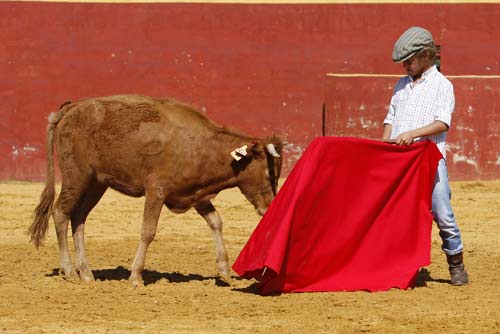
x=415, y=104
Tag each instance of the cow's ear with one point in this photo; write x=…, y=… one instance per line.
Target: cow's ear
x=258, y=149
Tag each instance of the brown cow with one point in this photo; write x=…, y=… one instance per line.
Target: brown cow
x=140, y=146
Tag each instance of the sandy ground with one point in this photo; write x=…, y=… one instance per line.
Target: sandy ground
x=181, y=294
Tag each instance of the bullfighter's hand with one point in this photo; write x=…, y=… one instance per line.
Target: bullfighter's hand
x=406, y=138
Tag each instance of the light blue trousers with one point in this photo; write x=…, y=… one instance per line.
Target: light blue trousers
x=443, y=212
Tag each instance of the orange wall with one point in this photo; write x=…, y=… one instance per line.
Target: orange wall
x=258, y=68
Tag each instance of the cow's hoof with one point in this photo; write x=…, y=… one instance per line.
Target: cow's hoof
x=224, y=279
x=136, y=282
x=69, y=275
x=87, y=278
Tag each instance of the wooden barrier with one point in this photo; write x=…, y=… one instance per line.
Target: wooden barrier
x=356, y=105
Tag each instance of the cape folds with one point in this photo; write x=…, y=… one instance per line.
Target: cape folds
x=354, y=214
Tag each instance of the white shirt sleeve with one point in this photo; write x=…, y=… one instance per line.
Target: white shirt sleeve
x=445, y=104
x=390, y=114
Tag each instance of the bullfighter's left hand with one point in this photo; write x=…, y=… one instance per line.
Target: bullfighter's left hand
x=406, y=138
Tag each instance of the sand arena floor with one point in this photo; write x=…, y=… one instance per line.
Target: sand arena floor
x=181, y=294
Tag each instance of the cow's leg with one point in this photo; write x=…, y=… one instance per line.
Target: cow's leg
x=207, y=210
x=155, y=199
x=92, y=195
x=68, y=199
x=61, y=223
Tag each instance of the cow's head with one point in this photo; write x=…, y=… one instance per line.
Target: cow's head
x=257, y=166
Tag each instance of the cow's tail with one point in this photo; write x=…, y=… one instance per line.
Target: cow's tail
x=38, y=228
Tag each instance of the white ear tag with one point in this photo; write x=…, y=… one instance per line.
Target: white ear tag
x=240, y=150
x=235, y=156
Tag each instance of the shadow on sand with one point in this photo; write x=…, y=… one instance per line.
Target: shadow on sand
x=252, y=289
x=149, y=276
x=424, y=276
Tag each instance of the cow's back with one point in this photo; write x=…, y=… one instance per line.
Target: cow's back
x=124, y=138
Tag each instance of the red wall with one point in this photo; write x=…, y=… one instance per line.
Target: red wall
x=258, y=68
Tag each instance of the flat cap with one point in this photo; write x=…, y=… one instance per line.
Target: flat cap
x=410, y=42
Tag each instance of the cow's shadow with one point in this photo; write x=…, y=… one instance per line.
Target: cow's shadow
x=149, y=276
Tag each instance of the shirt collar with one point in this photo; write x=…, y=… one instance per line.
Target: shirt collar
x=427, y=74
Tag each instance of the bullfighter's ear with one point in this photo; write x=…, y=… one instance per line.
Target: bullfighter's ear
x=240, y=152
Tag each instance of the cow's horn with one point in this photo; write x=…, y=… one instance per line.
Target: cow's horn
x=272, y=150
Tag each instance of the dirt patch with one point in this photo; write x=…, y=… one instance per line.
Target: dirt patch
x=182, y=294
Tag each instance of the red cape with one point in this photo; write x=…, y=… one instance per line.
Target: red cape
x=354, y=214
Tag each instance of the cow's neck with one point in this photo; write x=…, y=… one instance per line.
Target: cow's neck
x=217, y=173
x=221, y=176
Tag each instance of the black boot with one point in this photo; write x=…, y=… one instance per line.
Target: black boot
x=457, y=269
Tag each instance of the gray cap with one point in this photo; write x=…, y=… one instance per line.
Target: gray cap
x=410, y=42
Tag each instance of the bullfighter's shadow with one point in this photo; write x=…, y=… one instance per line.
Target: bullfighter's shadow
x=149, y=276
x=424, y=276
